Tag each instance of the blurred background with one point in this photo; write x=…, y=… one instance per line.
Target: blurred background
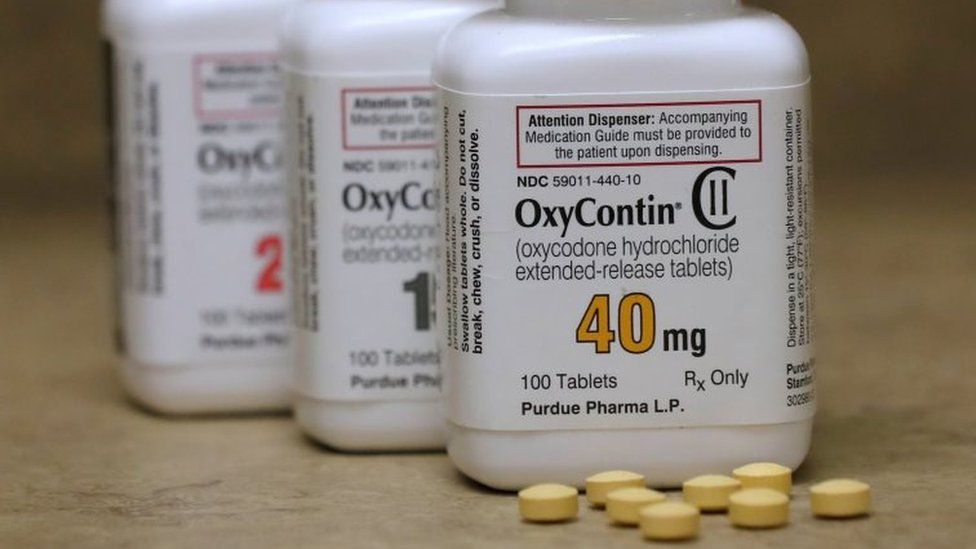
x=894, y=91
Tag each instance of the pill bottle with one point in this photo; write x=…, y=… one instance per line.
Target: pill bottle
x=200, y=205
x=625, y=280
x=361, y=125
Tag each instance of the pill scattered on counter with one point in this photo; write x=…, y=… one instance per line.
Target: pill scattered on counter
x=670, y=521
x=757, y=496
x=624, y=505
x=601, y=484
x=710, y=493
x=840, y=498
x=759, y=508
x=549, y=503
x=765, y=475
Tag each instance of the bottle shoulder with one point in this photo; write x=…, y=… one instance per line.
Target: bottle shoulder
x=177, y=22
x=496, y=53
x=369, y=35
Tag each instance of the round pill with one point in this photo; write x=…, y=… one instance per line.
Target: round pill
x=670, y=521
x=549, y=503
x=759, y=508
x=601, y=484
x=840, y=498
x=765, y=475
x=624, y=505
x=710, y=492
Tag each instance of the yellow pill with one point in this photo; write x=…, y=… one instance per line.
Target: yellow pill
x=765, y=475
x=840, y=498
x=759, y=508
x=549, y=503
x=624, y=505
x=601, y=484
x=670, y=521
x=710, y=492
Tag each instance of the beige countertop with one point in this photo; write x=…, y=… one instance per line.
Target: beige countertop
x=79, y=466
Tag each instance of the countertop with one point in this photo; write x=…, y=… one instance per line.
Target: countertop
x=81, y=466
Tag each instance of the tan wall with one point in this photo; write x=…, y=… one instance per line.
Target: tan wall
x=894, y=88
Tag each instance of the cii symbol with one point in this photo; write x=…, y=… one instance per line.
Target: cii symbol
x=710, y=197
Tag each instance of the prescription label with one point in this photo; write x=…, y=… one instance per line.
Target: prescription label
x=200, y=206
x=365, y=236
x=627, y=261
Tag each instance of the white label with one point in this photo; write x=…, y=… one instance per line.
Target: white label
x=627, y=261
x=200, y=206
x=365, y=236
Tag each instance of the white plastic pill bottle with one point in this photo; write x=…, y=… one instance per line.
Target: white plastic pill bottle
x=626, y=273
x=361, y=140
x=200, y=203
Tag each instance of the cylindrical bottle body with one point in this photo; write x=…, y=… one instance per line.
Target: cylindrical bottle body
x=626, y=241
x=361, y=165
x=199, y=204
